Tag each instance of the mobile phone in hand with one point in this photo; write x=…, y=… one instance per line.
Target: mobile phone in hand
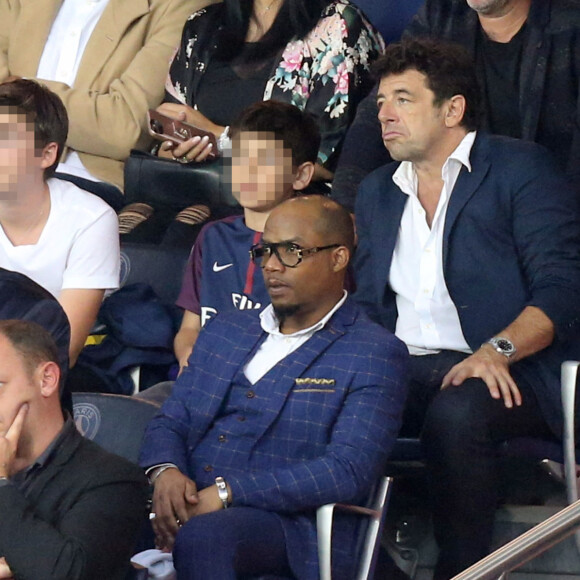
x=165, y=128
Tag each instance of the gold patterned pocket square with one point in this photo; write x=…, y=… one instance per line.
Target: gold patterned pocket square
x=317, y=382
x=308, y=385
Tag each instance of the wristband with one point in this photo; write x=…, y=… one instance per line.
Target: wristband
x=223, y=491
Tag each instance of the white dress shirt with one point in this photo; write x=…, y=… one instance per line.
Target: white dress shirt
x=63, y=52
x=427, y=317
x=277, y=345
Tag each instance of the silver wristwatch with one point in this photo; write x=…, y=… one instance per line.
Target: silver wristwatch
x=503, y=346
x=223, y=491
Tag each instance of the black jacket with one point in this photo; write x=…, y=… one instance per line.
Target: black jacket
x=549, y=100
x=78, y=518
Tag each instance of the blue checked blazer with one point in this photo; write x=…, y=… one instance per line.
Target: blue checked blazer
x=314, y=443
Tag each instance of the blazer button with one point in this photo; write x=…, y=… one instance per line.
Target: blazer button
x=250, y=394
x=222, y=439
x=208, y=468
x=241, y=418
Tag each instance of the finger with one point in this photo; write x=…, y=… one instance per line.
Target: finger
x=180, y=509
x=167, y=145
x=506, y=393
x=165, y=522
x=13, y=433
x=492, y=385
x=205, y=153
x=184, y=149
x=191, y=493
x=517, y=396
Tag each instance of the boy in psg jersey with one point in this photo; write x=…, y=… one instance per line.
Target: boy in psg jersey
x=274, y=149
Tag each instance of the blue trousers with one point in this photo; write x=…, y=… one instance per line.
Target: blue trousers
x=460, y=429
x=239, y=542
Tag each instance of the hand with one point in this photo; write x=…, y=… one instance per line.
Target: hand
x=5, y=572
x=195, y=149
x=493, y=368
x=173, y=496
x=9, y=441
x=209, y=501
x=191, y=116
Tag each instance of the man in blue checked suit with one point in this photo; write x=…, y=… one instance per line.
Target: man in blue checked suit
x=277, y=415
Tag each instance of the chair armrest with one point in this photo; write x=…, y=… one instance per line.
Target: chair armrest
x=568, y=384
x=375, y=511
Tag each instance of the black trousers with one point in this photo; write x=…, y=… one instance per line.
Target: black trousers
x=460, y=429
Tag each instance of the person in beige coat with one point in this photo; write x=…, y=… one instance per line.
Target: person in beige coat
x=120, y=76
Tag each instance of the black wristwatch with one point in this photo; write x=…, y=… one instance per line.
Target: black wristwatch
x=503, y=346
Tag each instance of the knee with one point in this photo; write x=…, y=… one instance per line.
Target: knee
x=457, y=414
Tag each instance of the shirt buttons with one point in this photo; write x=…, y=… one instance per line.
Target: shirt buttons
x=250, y=394
x=222, y=438
x=208, y=468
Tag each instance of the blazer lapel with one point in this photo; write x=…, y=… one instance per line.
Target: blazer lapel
x=385, y=231
x=27, y=48
x=108, y=33
x=296, y=364
x=466, y=185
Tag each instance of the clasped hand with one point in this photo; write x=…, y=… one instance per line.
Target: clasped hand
x=493, y=368
x=175, y=501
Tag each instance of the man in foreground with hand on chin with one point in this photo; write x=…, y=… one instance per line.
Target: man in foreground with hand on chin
x=70, y=510
x=277, y=415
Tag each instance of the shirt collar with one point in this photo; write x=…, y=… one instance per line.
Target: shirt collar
x=270, y=323
x=406, y=178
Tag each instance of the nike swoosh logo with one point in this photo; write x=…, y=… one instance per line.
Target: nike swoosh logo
x=217, y=268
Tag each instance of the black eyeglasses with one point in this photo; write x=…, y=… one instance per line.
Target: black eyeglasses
x=289, y=254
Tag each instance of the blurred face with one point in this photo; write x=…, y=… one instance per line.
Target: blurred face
x=262, y=171
x=17, y=153
x=412, y=126
x=303, y=290
x=16, y=385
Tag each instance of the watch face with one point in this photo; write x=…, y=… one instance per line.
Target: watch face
x=503, y=345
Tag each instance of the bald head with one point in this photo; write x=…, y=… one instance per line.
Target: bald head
x=328, y=218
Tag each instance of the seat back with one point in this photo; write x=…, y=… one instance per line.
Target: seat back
x=161, y=268
x=116, y=422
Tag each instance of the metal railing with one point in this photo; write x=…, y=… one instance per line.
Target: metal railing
x=525, y=547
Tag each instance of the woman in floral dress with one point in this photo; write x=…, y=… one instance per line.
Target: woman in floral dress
x=314, y=54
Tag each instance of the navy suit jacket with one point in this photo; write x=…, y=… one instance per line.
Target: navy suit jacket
x=511, y=240
x=313, y=442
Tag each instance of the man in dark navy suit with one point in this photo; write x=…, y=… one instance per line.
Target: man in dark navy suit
x=469, y=251
x=277, y=415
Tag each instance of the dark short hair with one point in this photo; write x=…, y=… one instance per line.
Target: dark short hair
x=448, y=67
x=296, y=129
x=41, y=107
x=31, y=341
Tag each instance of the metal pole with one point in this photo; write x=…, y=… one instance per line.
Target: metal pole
x=525, y=547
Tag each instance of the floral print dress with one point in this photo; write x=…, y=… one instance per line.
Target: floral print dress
x=326, y=73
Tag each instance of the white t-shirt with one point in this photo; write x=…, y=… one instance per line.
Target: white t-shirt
x=78, y=247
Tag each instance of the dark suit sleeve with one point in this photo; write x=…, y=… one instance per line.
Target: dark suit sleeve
x=92, y=541
x=360, y=442
x=546, y=218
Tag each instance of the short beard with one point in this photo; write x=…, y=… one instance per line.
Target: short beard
x=283, y=312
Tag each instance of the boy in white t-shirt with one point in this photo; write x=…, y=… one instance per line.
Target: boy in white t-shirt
x=62, y=237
